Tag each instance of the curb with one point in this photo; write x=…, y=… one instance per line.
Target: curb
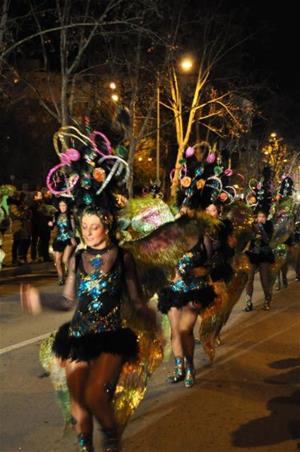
x=25, y=269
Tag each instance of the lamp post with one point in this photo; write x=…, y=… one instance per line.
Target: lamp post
x=157, y=128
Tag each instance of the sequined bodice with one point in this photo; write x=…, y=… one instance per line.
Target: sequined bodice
x=197, y=257
x=64, y=229
x=98, y=293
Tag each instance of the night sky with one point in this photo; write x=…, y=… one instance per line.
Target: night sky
x=272, y=56
x=276, y=48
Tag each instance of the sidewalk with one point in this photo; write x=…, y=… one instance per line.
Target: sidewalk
x=26, y=269
x=8, y=270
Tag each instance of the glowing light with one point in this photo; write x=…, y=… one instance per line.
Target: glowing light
x=112, y=85
x=273, y=135
x=140, y=159
x=149, y=159
x=115, y=97
x=186, y=64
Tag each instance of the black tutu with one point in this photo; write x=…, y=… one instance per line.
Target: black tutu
x=262, y=257
x=169, y=298
x=60, y=245
x=119, y=342
x=222, y=272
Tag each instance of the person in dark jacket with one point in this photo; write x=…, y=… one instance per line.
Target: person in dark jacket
x=40, y=229
x=261, y=257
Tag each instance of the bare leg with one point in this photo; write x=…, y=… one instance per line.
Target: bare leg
x=77, y=376
x=284, y=271
x=68, y=251
x=103, y=376
x=187, y=323
x=174, y=316
x=58, y=264
x=249, y=288
x=264, y=272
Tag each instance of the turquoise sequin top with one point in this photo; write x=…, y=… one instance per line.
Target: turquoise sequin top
x=98, y=290
x=64, y=228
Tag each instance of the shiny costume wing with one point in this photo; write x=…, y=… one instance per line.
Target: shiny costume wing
x=215, y=317
x=283, y=220
x=157, y=254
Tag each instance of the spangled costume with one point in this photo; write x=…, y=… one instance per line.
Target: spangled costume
x=63, y=223
x=188, y=287
x=96, y=326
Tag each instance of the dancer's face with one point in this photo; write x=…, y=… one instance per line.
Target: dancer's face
x=93, y=231
x=261, y=217
x=212, y=211
x=62, y=207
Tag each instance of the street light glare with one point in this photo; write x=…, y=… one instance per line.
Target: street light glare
x=187, y=64
x=112, y=85
x=115, y=97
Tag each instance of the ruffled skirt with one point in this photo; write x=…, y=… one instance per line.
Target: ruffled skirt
x=122, y=341
x=200, y=296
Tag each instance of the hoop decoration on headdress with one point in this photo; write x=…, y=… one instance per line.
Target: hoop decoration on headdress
x=204, y=182
x=89, y=171
x=260, y=193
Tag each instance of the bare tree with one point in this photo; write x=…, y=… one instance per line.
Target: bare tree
x=67, y=33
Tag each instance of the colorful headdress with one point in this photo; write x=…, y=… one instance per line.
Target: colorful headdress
x=286, y=187
x=142, y=216
x=206, y=182
x=90, y=173
x=260, y=193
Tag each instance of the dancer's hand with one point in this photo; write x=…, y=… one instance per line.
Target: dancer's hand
x=30, y=299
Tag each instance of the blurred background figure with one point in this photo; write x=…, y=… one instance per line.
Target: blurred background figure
x=20, y=215
x=41, y=215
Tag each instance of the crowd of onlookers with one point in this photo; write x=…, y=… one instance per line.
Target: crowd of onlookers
x=29, y=214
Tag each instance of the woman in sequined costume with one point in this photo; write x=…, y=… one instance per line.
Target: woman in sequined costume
x=93, y=346
x=261, y=257
x=221, y=243
x=64, y=242
x=182, y=300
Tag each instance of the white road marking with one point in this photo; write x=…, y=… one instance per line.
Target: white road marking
x=23, y=343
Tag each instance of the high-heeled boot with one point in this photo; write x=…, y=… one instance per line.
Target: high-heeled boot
x=111, y=440
x=85, y=441
x=179, y=371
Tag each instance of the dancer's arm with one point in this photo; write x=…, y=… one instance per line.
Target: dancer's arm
x=135, y=292
x=34, y=302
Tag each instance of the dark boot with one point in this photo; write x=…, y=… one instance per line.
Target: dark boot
x=179, y=371
x=111, y=440
x=249, y=304
x=85, y=441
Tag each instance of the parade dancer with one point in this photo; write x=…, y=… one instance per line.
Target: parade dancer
x=64, y=242
x=261, y=257
x=221, y=243
x=94, y=346
x=182, y=300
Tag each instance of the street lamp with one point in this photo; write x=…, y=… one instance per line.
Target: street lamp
x=186, y=64
x=112, y=86
x=115, y=97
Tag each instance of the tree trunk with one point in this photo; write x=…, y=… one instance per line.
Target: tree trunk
x=175, y=179
x=64, y=101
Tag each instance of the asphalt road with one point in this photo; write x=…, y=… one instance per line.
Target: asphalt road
x=249, y=400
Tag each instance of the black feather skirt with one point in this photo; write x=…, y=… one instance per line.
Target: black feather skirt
x=122, y=341
x=169, y=297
